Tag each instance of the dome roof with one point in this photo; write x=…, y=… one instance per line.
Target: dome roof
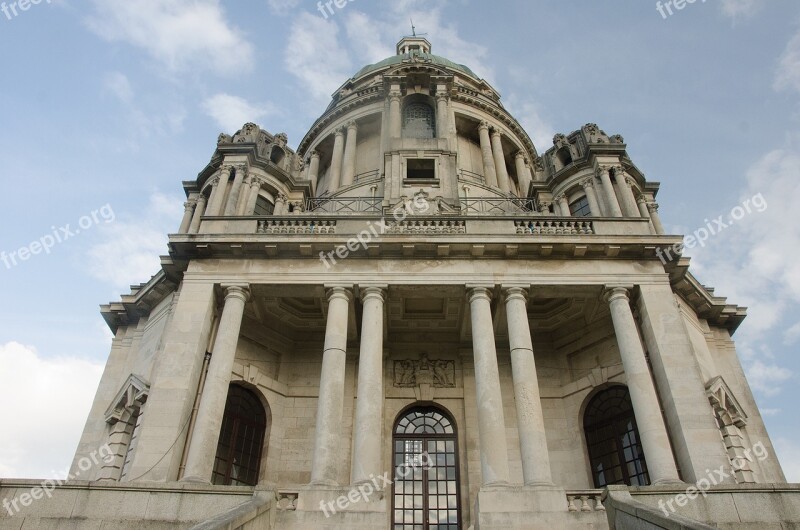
x=420, y=56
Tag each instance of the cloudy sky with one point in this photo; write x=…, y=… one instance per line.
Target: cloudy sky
x=107, y=105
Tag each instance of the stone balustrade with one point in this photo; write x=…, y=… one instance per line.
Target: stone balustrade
x=296, y=226
x=555, y=227
x=585, y=501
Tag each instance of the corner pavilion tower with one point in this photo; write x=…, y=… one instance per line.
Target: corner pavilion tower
x=416, y=320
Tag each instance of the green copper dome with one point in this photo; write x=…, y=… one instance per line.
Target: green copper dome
x=420, y=57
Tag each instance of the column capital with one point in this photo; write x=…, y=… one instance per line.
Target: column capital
x=652, y=207
x=242, y=168
x=602, y=170
x=395, y=96
x=641, y=200
x=340, y=292
x=373, y=291
x=256, y=182
x=238, y=290
x=314, y=154
x=339, y=131
x=352, y=125
x=560, y=197
x=226, y=169
x=188, y=206
x=480, y=291
x=497, y=132
x=442, y=96
x=521, y=154
x=484, y=126
x=201, y=199
x=515, y=292
x=587, y=183
x=613, y=293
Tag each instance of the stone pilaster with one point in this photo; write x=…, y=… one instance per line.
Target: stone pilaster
x=395, y=114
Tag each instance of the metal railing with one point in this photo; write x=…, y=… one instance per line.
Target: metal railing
x=345, y=205
x=496, y=206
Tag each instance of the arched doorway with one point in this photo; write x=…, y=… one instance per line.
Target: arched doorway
x=615, y=449
x=426, y=483
x=241, y=439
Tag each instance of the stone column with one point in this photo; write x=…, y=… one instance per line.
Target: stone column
x=327, y=442
x=491, y=421
x=236, y=188
x=530, y=419
x=591, y=196
x=281, y=201
x=612, y=204
x=653, y=433
x=523, y=174
x=188, y=209
x=244, y=196
x=368, y=428
x=199, y=212
x=563, y=205
x=500, y=161
x=488, y=158
x=252, y=197
x=336, y=162
x=349, y=169
x=395, y=115
x=641, y=203
x=442, y=118
x=627, y=199
x=313, y=171
x=655, y=218
x=220, y=186
x=203, y=445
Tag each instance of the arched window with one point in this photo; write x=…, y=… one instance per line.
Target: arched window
x=564, y=156
x=264, y=206
x=419, y=121
x=241, y=439
x=425, y=490
x=277, y=155
x=580, y=208
x=612, y=437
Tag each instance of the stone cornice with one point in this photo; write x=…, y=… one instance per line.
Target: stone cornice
x=143, y=298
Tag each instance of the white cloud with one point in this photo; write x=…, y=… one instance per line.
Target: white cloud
x=316, y=56
x=282, y=7
x=530, y=117
x=117, y=83
x=231, y=112
x=323, y=62
x=129, y=251
x=788, y=76
x=791, y=335
x=741, y=8
x=180, y=34
x=45, y=405
x=767, y=378
x=143, y=123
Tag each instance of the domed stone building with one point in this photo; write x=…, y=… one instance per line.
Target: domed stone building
x=416, y=321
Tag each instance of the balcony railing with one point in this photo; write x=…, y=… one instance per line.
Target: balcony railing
x=496, y=206
x=585, y=501
x=345, y=205
x=554, y=227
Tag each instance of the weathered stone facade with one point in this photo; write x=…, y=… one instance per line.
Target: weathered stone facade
x=415, y=251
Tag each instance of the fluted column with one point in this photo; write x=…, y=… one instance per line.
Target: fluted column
x=395, y=115
x=336, y=161
x=523, y=174
x=349, y=169
x=252, y=196
x=199, y=212
x=236, y=189
x=503, y=180
x=627, y=199
x=203, y=445
x=442, y=118
x=530, y=418
x=608, y=190
x=563, y=205
x=368, y=428
x=188, y=209
x=653, y=208
x=646, y=408
x=488, y=158
x=313, y=170
x=591, y=196
x=219, y=187
x=327, y=442
x=491, y=421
